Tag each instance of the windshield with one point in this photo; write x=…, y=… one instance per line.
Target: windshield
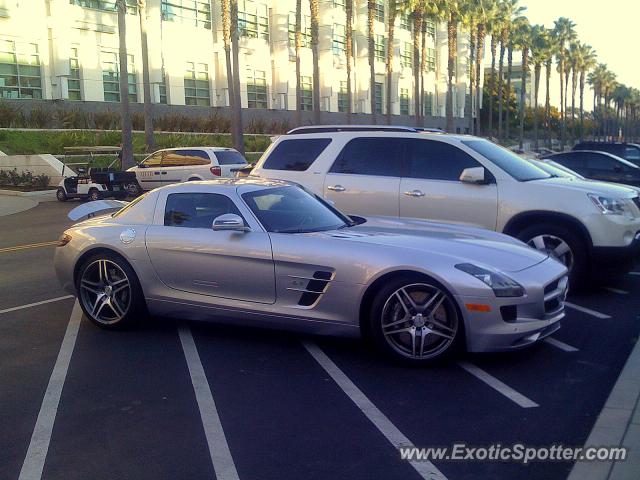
x=292, y=210
x=516, y=166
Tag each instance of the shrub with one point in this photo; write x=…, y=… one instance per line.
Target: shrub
x=37, y=118
x=9, y=115
x=137, y=121
x=106, y=120
x=13, y=177
x=41, y=181
x=4, y=177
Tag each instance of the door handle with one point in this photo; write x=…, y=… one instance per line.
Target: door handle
x=414, y=193
x=156, y=173
x=163, y=173
x=336, y=188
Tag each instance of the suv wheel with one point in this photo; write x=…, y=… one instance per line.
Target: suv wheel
x=562, y=244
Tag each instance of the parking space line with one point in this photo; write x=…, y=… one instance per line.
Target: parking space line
x=616, y=290
x=588, y=311
x=219, y=451
x=499, y=386
x=41, y=437
x=561, y=345
x=426, y=469
x=25, y=247
x=29, y=305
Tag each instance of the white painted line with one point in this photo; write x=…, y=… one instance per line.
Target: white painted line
x=219, y=451
x=426, y=469
x=588, y=311
x=496, y=384
x=616, y=290
x=29, y=305
x=41, y=437
x=561, y=345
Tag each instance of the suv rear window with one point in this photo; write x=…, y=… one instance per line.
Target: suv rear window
x=230, y=157
x=296, y=154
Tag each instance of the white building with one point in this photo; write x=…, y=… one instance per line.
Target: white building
x=67, y=50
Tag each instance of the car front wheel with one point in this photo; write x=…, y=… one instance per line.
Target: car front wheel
x=61, y=195
x=109, y=292
x=415, y=320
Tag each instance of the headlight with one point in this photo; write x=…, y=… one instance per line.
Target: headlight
x=610, y=205
x=501, y=285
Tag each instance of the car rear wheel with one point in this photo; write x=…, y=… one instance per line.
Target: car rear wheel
x=109, y=292
x=415, y=320
x=94, y=194
x=562, y=244
x=61, y=195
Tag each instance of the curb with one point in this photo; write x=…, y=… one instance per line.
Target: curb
x=16, y=193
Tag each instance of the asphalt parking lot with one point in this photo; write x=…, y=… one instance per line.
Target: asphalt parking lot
x=151, y=403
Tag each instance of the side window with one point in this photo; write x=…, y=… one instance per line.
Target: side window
x=153, y=161
x=183, y=158
x=230, y=157
x=600, y=162
x=296, y=155
x=380, y=156
x=632, y=154
x=196, y=210
x=437, y=161
x=574, y=162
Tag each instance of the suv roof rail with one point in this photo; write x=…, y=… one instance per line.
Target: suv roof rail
x=349, y=128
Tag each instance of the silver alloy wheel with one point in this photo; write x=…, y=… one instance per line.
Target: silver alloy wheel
x=555, y=247
x=94, y=195
x=105, y=291
x=419, y=321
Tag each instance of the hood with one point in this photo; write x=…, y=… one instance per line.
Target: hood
x=91, y=208
x=592, y=186
x=462, y=244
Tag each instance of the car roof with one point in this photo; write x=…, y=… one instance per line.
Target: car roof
x=216, y=149
x=349, y=128
x=380, y=133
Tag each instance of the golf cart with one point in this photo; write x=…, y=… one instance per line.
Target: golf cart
x=94, y=183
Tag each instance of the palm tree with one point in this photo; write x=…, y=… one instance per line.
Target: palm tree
x=123, y=77
x=511, y=46
x=298, y=47
x=574, y=62
x=236, y=106
x=417, y=13
x=508, y=13
x=474, y=13
x=371, y=17
x=619, y=96
x=596, y=80
x=454, y=12
x=149, y=140
x=391, y=22
x=313, y=5
x=565, y=32
x=226, y=37
x=486, y=16
x=587, y=62
x=539, y=55
x=548, y=65
x=523, y=39
x=348, y=6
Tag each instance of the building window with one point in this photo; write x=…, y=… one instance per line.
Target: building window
x=19, y=70
x=379, y=10
x=306, y=96
x=339, y=4
x=257, y=89
x=190, y=12
x=428, y=104
x=305, y=29
x=106, y=5
x=253, y=19
x=380, y=47
x=162, y=87
x=431, y=28
x=196, y=84
x=431, y=60
x=378, y=97
x=73, y=82
x=406, y=55
x=339, y=39
x=405, y=21
x=343, y=98
x=404, y=101
x=111, y=77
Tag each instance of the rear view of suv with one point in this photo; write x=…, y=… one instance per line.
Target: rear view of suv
x=175, y=165
x=466, y=180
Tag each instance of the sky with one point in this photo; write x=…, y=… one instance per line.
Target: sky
x=612, y=27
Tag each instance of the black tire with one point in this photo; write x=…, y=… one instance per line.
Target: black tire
x=133, y=189
x=193, y=179
x=132, y=305
x=93, y=195
x=579, y=268
x=382, y=305
x=61, y=195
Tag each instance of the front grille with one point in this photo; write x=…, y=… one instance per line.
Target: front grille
x=509, y=313
x=551, y=287
x=554, y=295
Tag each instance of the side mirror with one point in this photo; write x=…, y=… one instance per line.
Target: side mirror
x=229, y=221
x=475, y=175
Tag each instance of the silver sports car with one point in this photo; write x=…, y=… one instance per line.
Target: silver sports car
x=269, y=253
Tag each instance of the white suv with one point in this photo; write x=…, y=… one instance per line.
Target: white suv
x=466, y=180
x=175, y=165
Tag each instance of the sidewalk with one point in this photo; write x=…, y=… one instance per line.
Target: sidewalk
x=617, y=425
x=10, y=204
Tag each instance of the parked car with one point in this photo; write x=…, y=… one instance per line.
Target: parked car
x=175, y=165
x=274, y=254
x=628, y=151
x=466, y=180
x=599, y=166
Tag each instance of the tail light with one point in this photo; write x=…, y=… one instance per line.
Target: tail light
x=217, y=171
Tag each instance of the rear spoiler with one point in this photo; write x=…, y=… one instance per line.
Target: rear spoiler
x=89, y=209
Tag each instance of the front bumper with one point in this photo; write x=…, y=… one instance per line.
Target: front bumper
x=514, y=323
x=617, y=257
